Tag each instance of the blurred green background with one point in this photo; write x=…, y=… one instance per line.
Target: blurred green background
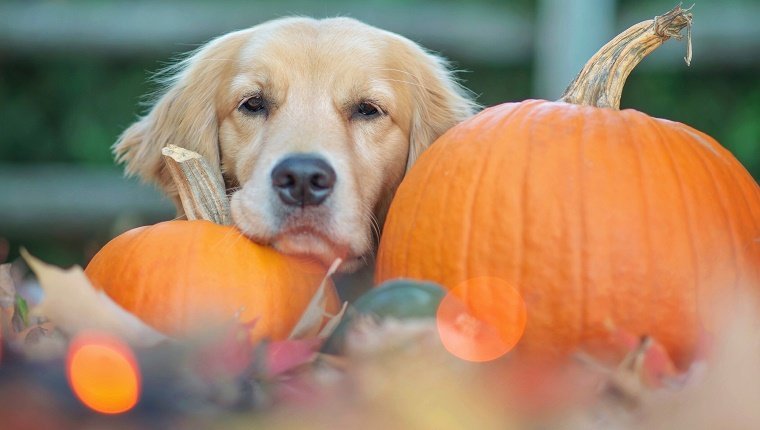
x=73, y=74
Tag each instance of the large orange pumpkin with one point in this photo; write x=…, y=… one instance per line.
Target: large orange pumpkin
x=183, y=276
x=604, y=220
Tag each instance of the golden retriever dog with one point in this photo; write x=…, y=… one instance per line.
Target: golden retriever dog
x=314, y=124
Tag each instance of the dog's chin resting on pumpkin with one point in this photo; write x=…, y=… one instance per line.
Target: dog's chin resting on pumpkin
x=313, y=122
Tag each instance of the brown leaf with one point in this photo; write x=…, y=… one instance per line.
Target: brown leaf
x=332, y=322
x=313, y=317
x=71, y=302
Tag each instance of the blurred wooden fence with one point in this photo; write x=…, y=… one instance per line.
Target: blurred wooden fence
x=726, y=32
x=563, y=33
x=73, y=201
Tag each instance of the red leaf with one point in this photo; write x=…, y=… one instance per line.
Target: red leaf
x=284, y=355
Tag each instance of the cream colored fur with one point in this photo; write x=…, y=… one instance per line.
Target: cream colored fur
x=313, y=74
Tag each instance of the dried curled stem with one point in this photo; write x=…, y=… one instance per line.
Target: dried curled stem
x=201, y=187
x=601, y=81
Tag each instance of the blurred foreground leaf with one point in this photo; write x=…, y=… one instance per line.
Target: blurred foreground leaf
x=73, y=304
x=312, y=322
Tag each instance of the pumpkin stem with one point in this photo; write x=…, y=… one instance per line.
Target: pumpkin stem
x=601, y=81
x=199, y=185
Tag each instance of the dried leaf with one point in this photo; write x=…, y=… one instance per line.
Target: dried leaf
x=71, y=302
x=312, y=318
x=332, y=322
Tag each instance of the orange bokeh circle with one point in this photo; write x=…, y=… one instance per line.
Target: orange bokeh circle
x=481, y=319
x=103, y=373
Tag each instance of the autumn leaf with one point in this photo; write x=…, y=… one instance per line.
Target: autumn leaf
x=312, y=322
x=282, y=356
x=74, y=305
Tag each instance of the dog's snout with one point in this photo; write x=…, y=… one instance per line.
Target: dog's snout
x=303, y=180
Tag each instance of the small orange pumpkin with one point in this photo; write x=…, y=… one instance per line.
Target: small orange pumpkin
x=604, y=220
x=182, y=276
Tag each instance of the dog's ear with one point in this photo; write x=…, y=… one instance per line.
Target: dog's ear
x=438, y=100
x=184, y=114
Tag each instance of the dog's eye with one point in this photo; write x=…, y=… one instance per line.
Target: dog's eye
x=255, y=104
x=366, y=109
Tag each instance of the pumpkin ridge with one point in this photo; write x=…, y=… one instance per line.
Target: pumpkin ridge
x=656, y=292
x=627, y=141
x=583, y=268
x=464, y=232
x=439, y=154
x=730, y=171
x=277, y=306
x=753, y=242
x=697, y=151
x=197, y=236
x=129, y=255
x=423, y=185
x=446, y=197
x=523, y=202
x=473, y=194
x=753, y=221
x=724, y=212
x=666, y=296
x=731, y=167
x=686, y=210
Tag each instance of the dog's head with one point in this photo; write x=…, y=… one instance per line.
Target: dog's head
x=314, y=123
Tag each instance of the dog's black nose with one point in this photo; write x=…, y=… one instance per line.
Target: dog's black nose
x=303, y=180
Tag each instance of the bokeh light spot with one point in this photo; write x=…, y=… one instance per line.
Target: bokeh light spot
x=103, y=373
x=481, y=319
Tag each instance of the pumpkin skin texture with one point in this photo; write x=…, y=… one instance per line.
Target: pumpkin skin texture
x=610, y=224
x=600, y=218
x=186, y=276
